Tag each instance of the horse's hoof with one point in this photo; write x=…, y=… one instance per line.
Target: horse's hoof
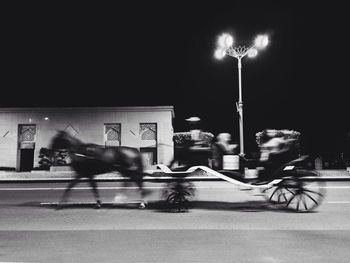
x=98, y=204
x=142, y=205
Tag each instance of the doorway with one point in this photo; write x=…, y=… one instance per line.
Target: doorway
x=26, y=160
x=26, y=147
x=149, y=156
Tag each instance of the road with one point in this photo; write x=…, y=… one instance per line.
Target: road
x=223, y=225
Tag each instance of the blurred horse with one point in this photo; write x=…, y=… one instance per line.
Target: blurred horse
x=89, y=160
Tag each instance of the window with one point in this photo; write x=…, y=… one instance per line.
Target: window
x=112, y=135
x=27, y=133
x=148, y=131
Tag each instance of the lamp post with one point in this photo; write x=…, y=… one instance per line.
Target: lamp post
x=225, y=46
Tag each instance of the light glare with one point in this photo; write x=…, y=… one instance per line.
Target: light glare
x=253, y=52
x=228, y=41
x=224, y=41
x=219, y=53
x=261, y=41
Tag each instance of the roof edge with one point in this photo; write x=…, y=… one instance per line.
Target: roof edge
x=88, y=109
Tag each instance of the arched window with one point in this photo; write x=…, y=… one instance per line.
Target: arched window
x=148, y=131
x=112, y=134
x=28, y=133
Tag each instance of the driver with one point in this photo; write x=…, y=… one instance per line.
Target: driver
x=199, y=150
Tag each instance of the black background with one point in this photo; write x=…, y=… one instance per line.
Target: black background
x=161, y=53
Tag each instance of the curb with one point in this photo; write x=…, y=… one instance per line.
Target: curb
x=153, y=176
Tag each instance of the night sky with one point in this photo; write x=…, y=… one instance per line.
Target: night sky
x=161, y=53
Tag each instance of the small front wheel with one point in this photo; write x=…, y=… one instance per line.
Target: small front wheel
x=178, y=193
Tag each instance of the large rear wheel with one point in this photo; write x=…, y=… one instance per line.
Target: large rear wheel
x=300, y=191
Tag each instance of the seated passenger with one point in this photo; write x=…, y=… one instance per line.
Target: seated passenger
x=220, y=148
x=275, y=150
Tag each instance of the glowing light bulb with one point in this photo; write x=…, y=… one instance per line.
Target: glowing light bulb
x=224, y=41
x=219, y=53
x=252, y=53
x=261, y=41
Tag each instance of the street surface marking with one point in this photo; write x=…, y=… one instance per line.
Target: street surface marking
x=338, y=202
x=136, y=202
x=135, y=187
x=100, y=188
x=75, y=188
x=128, y=202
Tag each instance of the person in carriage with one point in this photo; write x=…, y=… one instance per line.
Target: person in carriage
x=276, y=149
x=221, y=147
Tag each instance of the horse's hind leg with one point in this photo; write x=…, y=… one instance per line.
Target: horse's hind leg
x=94, y=189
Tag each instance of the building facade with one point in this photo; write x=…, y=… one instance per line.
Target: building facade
x=24, y=131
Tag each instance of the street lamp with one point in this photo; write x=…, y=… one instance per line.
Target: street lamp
x=225, y=46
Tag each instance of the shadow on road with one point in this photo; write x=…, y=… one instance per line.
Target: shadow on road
x=250, y=206
x=164, y=207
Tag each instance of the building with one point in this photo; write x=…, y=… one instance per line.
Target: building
x=24, y=131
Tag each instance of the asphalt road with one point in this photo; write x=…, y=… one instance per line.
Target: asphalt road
x=223, y=225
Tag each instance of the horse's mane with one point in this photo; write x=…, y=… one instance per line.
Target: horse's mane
x=64, y=140
x=71, y=138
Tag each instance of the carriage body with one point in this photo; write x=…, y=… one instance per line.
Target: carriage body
x=292, y=188
x=290, y=184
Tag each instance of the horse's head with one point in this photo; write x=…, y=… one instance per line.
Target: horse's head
x=63, y=140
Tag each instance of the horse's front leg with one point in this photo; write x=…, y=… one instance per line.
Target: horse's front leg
x=144, y=202
x=66, y=193
x=143, y=193
x=94, y=188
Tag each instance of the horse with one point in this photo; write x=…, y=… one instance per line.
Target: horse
x=89, y=160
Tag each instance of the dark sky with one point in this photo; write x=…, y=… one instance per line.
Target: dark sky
x=161, y=53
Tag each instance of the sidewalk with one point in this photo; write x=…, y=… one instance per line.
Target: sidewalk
x=12, y=176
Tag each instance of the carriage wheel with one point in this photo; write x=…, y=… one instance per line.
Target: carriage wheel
x=177, y=195
x=301, y=194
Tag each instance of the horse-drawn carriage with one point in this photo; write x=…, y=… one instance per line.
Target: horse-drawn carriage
x=291, y=185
